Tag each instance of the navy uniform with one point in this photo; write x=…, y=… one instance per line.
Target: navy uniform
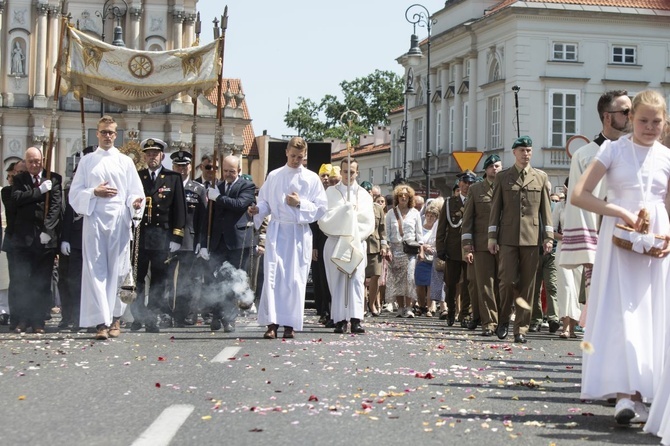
x=475, y=239
x=448, y=248
x=161, y=234
x=520, y=221
x=189, y=278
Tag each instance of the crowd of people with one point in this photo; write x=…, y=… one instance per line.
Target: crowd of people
x=502, y=252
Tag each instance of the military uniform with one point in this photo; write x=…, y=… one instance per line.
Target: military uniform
x=520, y=219
x=163, y=223
x=475, y=236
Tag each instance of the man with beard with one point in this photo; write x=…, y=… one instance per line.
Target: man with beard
x=161, y=235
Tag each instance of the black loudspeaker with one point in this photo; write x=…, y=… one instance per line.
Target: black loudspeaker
x=318, y=153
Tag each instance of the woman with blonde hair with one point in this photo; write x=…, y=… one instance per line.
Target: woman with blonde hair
x=403, y=224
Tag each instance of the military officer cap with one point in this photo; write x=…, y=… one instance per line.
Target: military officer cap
x=491, y=159
x=11, y=166
x=181, y=157
x=366, y=185
x=522, y=141
x=89, y=149
x=456, y=184
x=325, y=168
x=467, y=177
x=153, y=144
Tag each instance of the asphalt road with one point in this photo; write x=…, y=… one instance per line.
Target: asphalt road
x=405, y=381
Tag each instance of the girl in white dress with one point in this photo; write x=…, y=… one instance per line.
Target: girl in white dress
x=627, y=315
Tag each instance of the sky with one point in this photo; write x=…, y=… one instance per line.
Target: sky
x=283, y=50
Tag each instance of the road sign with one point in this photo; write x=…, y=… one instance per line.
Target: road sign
x=467, y=160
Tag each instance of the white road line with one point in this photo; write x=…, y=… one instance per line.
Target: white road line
x=165, y=427
x=226, y=353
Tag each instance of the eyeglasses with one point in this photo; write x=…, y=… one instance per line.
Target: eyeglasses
x=624, y=112
x=208, y=167
x=106, y=132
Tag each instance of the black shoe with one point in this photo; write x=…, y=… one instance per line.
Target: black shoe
x=135, y=326
x=330, y=323
x=473, y=324
x=179, y=323
x=216, y=324
x=520, y=339
x=554, y=326
x=503, y=330
x=340, y=327
x=487, y=332
x=165, y=321
x=190, y=319
x=64, y=323
x=451, y=320
x=323, y=319
x=4, y=319
x=356, y=326
x=152, y=327
x=75, y=328
x=228, y=327
x=535, y=327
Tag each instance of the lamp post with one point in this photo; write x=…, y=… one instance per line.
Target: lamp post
x=418, y=14
x=112, y=11
x=409, y=90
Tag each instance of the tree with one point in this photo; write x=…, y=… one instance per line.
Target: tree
x=372, y=96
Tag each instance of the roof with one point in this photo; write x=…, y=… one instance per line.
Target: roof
x=663, y=5
x=368, y=149
x=235, y=87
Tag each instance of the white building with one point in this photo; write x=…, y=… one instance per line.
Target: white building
x=29, y=36
x=562, y=54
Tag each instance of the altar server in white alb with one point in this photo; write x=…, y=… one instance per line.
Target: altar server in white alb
x=293, y=197
x=108, y=192
x=349, y=221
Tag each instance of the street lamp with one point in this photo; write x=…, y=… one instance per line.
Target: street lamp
x=418, y=14
x=111, y=11
x=409, y=91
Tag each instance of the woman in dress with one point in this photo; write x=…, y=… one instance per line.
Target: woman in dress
x=424, y=265
x=627, y=312
x=400, y=276
x=568, y=280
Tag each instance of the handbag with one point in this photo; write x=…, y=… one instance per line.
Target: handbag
x=439, y=265
x=128, y=291
x=409, y=247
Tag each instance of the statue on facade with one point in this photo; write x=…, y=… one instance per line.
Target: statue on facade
x=17, y=60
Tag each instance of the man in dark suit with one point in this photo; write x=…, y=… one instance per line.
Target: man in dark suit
x=189, y=278
x=230, y=237
x=34, y=241
x=161, y=234
x=475, y=244
x=448, y=248
x=519, y=206
x=207, y=172
x=70, y=264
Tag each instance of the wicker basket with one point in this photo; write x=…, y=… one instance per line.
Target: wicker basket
x=649, y=244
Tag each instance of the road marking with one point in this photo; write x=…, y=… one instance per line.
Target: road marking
x=165, y=427
x=226, y=354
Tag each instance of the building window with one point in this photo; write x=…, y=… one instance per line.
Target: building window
x=624, y=55
x=371, y=175
x=465, y=125
x=494, y=72
x=563, y=116
x=385, y=174
x=418, y=138
x=466, y=75
x=438, y=132
x=451, y=128
x=564, y=51
x=494, y=122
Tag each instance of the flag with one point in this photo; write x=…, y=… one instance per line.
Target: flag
x=96, y=70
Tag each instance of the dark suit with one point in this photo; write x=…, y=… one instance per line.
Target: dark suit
x=32, y=301
x=231, y=239
x=70, y=266
x=448, y=247
x=189, y=279
x=518, y=210
x=10, y=216
x=163, y=222
x=475, y=233
x=322, y=297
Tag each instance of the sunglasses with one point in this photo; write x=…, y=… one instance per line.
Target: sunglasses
x=624, y=112
x=208, y=167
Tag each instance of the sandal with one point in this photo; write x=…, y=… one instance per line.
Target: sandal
x=272, y=332
x=564, y=335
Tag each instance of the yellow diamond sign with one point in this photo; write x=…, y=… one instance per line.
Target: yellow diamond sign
x=467, y=160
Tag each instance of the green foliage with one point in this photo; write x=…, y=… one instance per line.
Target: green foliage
x=372, y=96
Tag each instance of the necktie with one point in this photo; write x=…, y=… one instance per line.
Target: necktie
x=153, y=176
x=227, y=188
x=206, y=184
x=522, y=175
x=36, y=180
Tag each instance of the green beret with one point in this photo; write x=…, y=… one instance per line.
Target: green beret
x=491, y=159
x=522, y=141
x=366, y=185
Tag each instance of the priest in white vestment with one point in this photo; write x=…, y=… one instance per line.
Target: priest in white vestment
x=349, y=221
x=108, y=192
x=293, y=197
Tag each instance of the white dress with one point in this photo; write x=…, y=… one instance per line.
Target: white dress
x=288, y=242
x=627, y=316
